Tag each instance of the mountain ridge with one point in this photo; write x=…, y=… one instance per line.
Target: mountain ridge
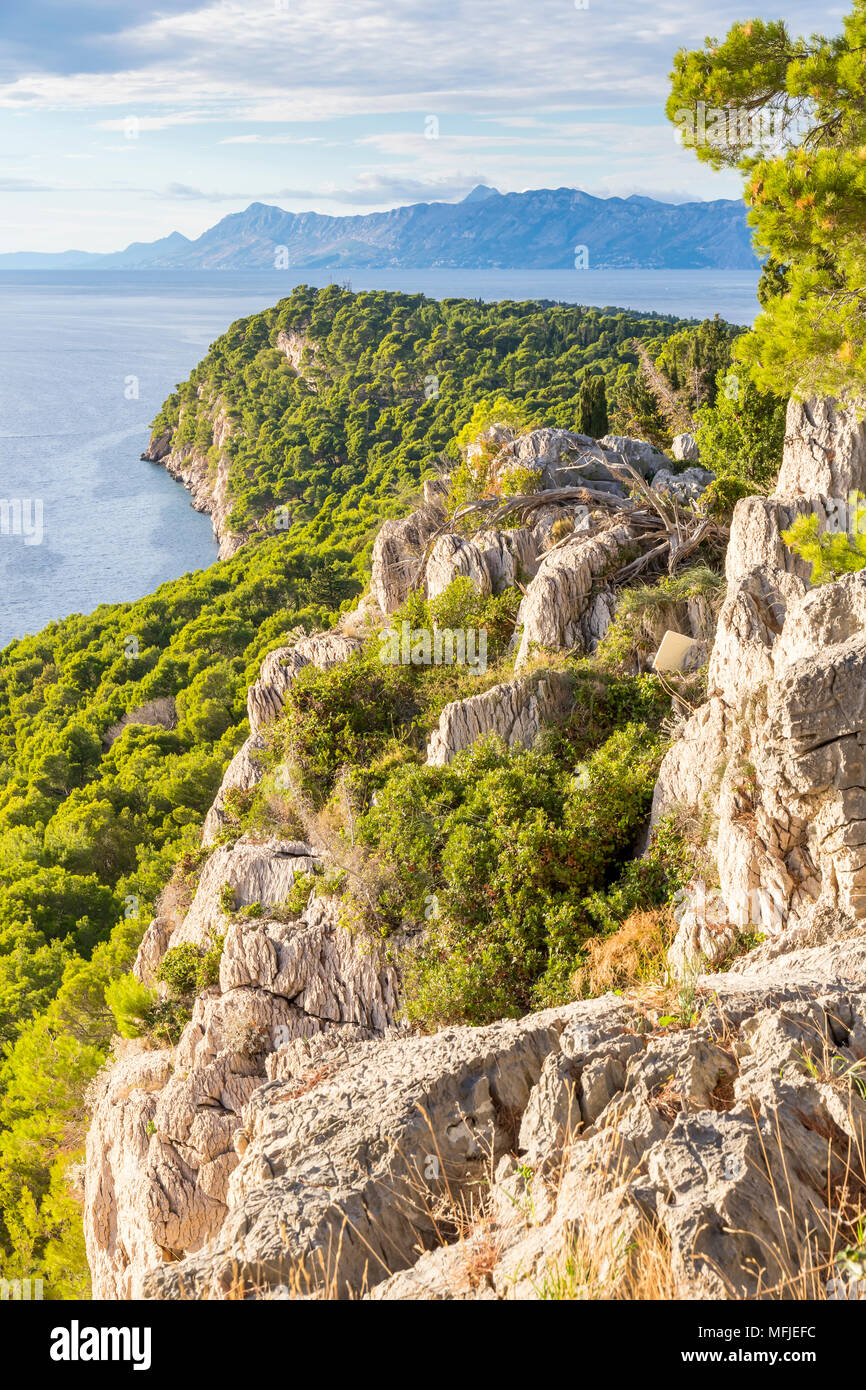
x=539, y=229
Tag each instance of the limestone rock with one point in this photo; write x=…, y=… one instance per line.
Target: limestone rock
x=825, y=451
x=279, y=668
x=783, y=731
x=256, y=872
x=154, y=945
x=243, y=772
x=684, y=448
x=398, y=553
x=568, y=606
x=646, y=458
x=597, y=1125
x=453, y=556
x=162, y=1143
x=683, y=487
x=515, y=711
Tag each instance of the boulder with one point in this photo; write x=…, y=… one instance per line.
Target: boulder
x=515, y=711
x=646, y=458
x=684, y=448
x=493, y=560
x=568, y=606
x=683, y=487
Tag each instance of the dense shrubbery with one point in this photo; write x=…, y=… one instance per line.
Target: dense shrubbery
x=501, y=854
x=740, y=438
x=496, y=852
x=387, y=384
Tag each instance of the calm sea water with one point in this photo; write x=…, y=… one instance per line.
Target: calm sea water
x=87, y=358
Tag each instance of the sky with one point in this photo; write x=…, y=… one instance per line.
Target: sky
x=124, y=122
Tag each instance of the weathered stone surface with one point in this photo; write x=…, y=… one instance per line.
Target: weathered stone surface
x=684, y=487
x=452, y=557
x=161, y=1146
x=398, y=553
x=279, y=668
x=825, y=451
x=646, y=458
x=596, y=1124
x=568, y=605
x=516, y=711
x=684, y=448
x=785, y=726
x=154, y=945
x=243, y=773
x=256, y=872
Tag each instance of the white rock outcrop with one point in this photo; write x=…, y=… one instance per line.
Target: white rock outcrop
x=592, y=1119
x=777, y=755
x=279, y=669
x=515, y=711
x=568, y=606
x=161, y=1150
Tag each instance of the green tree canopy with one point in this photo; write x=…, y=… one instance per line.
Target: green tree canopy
x=791, y=115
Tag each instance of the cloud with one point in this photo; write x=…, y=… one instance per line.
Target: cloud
x=184, y=193
x=13, y=185
x=383, y=189
x=252, y=61
x=273, y=140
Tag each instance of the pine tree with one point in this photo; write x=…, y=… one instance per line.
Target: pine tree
x=592, y=418
x=791, y=115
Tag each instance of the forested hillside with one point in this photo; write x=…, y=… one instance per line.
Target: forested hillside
x=94, y=819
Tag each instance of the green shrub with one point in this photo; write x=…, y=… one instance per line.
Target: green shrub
x=740, y=436
x=167, y=1020
x=495, y=853
x=830, y=553
x=209, y=965
x=227, y=899
x=132, y=1005
x=179, y=968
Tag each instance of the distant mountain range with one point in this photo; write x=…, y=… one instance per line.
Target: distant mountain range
x=542, y=229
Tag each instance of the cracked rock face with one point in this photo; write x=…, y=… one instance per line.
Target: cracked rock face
x=493, y=560
x=595, y=1124
x=161, y=1147
x=825, y=451
x=568, y=605
x=778, y=753
x=516, y=711
x=398, y=553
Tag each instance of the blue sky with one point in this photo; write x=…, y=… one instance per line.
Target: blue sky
x=124, y=122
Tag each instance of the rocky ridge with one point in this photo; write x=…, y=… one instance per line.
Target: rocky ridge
x=295, y=1143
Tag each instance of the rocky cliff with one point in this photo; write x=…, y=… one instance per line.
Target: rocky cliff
x=206, y=481
x=297, y=1141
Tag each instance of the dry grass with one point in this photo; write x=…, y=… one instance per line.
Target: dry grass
x=635, y=954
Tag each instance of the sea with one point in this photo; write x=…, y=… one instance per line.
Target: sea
x=88, y=357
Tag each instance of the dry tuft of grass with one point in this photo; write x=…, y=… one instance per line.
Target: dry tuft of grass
x=635, y=954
